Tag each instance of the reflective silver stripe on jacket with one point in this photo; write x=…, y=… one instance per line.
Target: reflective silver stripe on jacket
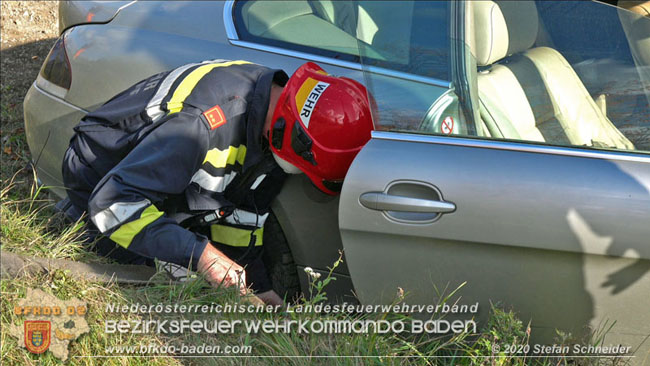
x=212, y=183
x=243, y=217
x=258, y=181
x=153, y=107
x=117, y=213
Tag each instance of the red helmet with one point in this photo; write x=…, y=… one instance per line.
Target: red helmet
x=319, y=125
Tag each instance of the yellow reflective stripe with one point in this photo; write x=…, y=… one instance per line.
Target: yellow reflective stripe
x=184, y=89
x=220, y=158
x=304, y=91
x=125, y=234
x=235, y=237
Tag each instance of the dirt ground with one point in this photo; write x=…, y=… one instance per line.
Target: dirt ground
x=28, y=29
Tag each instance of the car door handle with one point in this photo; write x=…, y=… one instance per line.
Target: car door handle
x=387, y=202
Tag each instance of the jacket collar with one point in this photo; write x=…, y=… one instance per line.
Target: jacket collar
x=257, y=114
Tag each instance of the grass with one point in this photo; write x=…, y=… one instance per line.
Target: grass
x=30, y=226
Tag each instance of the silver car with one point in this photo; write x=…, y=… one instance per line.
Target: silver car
x=511, y=149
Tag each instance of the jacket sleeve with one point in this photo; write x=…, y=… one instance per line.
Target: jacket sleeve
x=123, y=204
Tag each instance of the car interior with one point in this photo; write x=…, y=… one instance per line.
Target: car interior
x=531, y=92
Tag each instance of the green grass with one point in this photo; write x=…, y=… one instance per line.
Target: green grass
x=14, y=153
x=31, y=227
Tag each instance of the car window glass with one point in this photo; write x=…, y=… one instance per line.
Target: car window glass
x=405, y=36
x=546, y=72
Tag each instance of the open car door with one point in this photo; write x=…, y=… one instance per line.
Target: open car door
x=559, y=232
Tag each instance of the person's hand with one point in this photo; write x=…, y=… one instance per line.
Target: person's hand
x=219, y=270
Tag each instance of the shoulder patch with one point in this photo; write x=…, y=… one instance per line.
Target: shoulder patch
x=215, y=117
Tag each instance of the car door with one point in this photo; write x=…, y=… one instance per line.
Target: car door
x=557, y=231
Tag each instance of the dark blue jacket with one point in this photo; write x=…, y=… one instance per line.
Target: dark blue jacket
x=181, y=141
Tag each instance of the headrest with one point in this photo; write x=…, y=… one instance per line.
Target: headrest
x=636, y=6
x=503, y=28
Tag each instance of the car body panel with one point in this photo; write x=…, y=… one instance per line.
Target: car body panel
x=48, y=144
x=73, y=13
x=562, y=239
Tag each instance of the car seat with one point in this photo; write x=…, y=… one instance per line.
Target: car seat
x=532, y=93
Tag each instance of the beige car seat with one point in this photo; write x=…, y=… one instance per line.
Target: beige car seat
x=640, y=7
x=532, y=93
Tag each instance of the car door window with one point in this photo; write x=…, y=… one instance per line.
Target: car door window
x=558, y=73
x=405, y=36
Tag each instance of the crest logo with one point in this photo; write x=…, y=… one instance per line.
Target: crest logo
x=37, y=335
x=215, y=117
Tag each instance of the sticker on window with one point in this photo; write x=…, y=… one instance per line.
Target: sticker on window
x=447, y=126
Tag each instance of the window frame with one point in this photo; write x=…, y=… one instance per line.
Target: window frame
x=234, y=39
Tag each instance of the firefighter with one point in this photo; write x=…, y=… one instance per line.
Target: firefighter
x=183, y=166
